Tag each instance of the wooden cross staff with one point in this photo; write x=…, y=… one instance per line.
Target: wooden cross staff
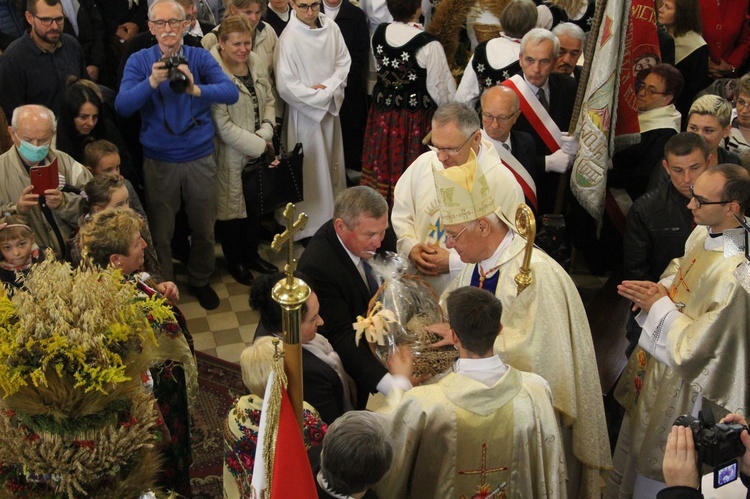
x=291, y=293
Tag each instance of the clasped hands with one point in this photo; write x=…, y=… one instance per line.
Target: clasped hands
x=430, y=259
x=643, y=294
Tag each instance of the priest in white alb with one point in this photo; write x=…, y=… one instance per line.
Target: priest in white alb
x=545, y=326
x=312, y=64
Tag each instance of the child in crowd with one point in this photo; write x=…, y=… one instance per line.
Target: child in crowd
x=19, y=249
x=102, y=157
x=109, y=190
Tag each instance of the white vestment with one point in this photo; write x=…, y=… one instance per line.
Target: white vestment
x=546, y=331
x=460, y=437
x=306, y=57
x=416, y=213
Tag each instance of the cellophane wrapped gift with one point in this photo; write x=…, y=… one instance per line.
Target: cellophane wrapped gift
x=413, y=305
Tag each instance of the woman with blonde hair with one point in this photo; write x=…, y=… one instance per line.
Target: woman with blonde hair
x=243, y=134
x=241, y=428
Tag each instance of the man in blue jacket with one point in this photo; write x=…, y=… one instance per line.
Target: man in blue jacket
x=177, y=137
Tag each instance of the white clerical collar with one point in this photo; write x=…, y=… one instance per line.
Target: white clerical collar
x=491, y=262
x=324, y=485
x=196, y=30
x=487, y=370
x=713, y=241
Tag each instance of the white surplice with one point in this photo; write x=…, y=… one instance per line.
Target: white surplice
x=306, y=57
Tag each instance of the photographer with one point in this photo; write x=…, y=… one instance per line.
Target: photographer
x=173, y=86
x=681, y=467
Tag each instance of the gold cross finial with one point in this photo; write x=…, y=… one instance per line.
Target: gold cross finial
x=287, y=237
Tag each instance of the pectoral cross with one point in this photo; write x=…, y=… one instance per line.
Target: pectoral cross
x=287, y=237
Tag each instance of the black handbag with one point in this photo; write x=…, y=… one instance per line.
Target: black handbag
x=267, y=188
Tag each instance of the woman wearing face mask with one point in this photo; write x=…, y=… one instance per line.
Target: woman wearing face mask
x=244, y=131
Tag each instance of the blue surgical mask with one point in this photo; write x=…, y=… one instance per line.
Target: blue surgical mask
x=33, y=153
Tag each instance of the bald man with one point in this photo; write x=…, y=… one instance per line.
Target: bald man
x=500, y=110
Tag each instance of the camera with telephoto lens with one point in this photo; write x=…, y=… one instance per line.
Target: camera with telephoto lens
x=716, y=443
x=178, y=81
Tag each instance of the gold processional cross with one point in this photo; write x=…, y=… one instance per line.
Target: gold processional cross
x=291, y=293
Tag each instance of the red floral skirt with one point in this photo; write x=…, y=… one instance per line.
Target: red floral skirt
x=393, y=140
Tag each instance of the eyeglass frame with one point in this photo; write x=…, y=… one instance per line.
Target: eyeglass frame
x=699, y=202
x=744, y=105
x=306, y=8
x=501, y=120
x=454, y=239
x=47, y=21
x=451, y=151
x=161, y=23
x=641, y=85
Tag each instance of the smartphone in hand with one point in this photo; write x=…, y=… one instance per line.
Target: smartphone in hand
x=44, y=177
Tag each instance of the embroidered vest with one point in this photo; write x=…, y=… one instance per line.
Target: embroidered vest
x=402, y=83
x=487, y=76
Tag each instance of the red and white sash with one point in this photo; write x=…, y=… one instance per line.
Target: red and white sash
x=522, y=176
x=535, y=113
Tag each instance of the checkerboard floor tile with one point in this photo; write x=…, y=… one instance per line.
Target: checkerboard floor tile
x=225, y=331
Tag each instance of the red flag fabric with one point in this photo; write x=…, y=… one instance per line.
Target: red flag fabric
x=641, y=52
x=292, y=475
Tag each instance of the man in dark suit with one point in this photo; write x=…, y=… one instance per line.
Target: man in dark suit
x=571, y=38
x=336, y=262
x=556, y=92
x=500, y=111
x=353, y=25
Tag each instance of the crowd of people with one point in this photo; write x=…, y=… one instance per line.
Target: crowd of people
x=134, y=123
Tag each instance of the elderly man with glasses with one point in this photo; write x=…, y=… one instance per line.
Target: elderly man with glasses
x=35, y=67
x=312, y=64
x=416, y=215
x=177, y=135
x=545, y=329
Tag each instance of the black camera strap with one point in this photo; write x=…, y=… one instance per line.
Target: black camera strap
x=195, y=121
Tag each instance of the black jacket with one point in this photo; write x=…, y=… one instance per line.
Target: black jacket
x=321, y=386
x=633, y=167
x=658, y=225
x=91, y=32
x=343, y=295
x=562, y=96
x=352, y=22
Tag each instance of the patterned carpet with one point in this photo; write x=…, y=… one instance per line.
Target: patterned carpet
x=220, y=382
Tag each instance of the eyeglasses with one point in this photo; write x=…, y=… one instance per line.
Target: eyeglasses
x=451, y=151
x=189, y=17
x=455, y=238
x=173, y=23
x=742, y=103
x=304, y=7
x=501, y=120
x=649, y=91
x=699, y=202
x=47, y=21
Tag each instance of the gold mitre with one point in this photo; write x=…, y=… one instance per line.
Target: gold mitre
x=463, y=193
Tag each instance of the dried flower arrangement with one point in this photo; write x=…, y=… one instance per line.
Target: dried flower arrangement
x=74, y=418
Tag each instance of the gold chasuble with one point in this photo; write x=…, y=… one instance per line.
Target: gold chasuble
x=458, y=438
x=708, y=347
x=545, y=331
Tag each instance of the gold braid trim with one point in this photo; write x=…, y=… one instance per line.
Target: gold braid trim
x=446, y=24
x=273, y=415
